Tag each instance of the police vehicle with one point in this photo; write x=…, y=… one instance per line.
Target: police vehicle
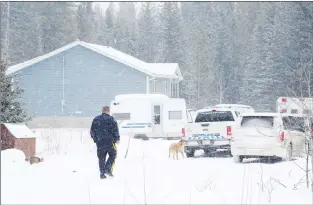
x=211, y=131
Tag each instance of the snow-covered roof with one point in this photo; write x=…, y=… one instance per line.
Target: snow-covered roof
x=141, y=96
x=261, y=114
x=19, y=130
x=233, y=105
x=165, y=70
x=222, y=109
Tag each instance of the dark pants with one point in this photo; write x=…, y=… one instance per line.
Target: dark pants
x=106, y=166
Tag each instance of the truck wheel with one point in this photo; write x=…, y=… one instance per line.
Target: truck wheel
x=190, y=154
x=238, y=159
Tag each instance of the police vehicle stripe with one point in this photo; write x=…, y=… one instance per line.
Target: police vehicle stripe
x=133, y=126
x=136, y=125
x=206, y=137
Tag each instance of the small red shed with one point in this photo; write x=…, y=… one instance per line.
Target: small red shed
x=18, y=136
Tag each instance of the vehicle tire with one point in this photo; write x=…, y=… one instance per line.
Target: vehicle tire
x=289, y=153
x=238, y=159
x=207, y=152
x=230, y=154
x=190, y=154
x=269, y=160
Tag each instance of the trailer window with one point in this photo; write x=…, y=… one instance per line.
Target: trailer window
x=306, y=111
x=294, y=111
x=121, y=116
x=294, y=123
x=157, y=114
x=175, y=115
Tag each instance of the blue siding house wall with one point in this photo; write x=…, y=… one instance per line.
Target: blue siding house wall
x=80, y=78
x=91, y=80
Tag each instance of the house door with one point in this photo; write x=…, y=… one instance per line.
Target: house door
x=157, y=120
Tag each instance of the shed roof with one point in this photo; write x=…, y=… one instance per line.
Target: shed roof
x=165, y=70
x=19, y=130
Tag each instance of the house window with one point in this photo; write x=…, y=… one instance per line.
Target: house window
x=175, y=115
x=174, y=90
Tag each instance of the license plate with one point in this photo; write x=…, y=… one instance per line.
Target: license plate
x=205, y=129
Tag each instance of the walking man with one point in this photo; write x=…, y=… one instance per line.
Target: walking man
x=104, y=132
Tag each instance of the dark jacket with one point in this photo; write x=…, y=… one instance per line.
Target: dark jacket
x=104, y=130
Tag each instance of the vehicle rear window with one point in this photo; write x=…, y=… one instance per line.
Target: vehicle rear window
x=257, y=121
x=216, y=116
x=294, y=123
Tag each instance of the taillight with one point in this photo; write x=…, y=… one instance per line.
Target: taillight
x=183, y=132
x=228, y=129
x=284, y=99
x=214, y=110
x=284, y=110
x=282, y=136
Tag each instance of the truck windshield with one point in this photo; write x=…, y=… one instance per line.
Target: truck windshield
x=214, y=116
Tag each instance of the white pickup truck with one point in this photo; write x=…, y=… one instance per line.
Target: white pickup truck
x=211, y=130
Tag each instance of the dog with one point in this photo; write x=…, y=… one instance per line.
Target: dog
x=177, y=147
x=35, y=160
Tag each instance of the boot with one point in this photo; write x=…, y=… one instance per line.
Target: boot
x=102, y=176
x=110, y=174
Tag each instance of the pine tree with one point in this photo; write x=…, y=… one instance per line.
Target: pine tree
x=147, y=33
x=109, y=27
x=126, y=28
x=86, y=22
x=58, y=24
x=171, y=32
x=12, y=110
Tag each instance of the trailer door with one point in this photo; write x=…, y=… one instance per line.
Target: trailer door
x=157, y=120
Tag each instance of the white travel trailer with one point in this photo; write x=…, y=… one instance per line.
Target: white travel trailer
x=294, y=105
x=150, y=115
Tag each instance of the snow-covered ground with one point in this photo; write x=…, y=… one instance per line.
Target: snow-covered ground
x=69, y=175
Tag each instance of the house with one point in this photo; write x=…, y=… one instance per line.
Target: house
x=18, y=136
x=79, y=78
